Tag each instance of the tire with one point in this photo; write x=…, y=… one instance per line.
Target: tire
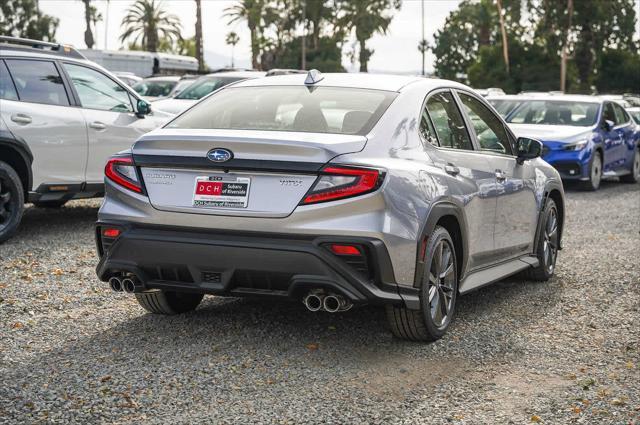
x=11, y=201
x=547, y=245
x=634, y=176
x=431, y=322
x=58, y=203
x=595, y=173
x=169, y=303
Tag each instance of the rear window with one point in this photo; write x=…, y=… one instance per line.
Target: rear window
x=335, y=110
x=553, y=112
x=38, y=81
x=203, y=86
x=154, y=88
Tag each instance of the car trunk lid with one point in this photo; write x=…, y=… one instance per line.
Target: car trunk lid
x=268, y=175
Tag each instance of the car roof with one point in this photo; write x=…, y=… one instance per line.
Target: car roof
x=387, y=82
x=237, y=74
x=163, y=78
x=549, y=97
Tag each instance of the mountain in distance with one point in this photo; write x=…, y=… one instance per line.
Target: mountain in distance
x=216, y=60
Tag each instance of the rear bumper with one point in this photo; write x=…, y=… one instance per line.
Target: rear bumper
x=249, y=264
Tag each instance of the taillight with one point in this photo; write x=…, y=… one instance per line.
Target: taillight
x=120, y=170
x=343, y=182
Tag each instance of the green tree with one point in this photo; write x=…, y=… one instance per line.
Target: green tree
x=146, y=22
x=21, y=18
x=232, y=39
x=593, y=28
x=619, y=72
x=252, y=12
x=327, y=57
x=470, y=27
x=365, y=18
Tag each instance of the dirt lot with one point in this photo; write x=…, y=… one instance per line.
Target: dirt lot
x=565, y=351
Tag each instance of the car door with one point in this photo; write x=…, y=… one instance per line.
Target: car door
x=41, y=113
x=613, y=139
x=625, y=129
x=108, y=110
x=516, y=212
x=470, y=177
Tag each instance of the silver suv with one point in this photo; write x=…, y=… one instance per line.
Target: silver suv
x=336, y=190
x=61, y=118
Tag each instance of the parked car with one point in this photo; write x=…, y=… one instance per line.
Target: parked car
x=184, y=82
x=337, y=190
x=202, y=87
x=585, y=138
x=618, y=98
x=61, y=118
x=154, y=88
x=635, y=114
x=129, y=78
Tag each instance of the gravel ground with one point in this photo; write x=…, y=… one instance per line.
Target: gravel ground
x=565, y=351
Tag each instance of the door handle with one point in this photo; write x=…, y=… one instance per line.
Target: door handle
x=451, y=169
x=98, y=125
x=21, y=118
x=501, y=176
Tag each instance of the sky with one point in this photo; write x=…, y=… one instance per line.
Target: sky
x=396, y=52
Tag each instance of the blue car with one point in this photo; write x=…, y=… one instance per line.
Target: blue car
x=585, y=138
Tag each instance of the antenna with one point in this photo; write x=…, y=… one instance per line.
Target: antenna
x=313, y=76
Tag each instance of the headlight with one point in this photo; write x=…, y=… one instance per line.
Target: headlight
x=577, y=146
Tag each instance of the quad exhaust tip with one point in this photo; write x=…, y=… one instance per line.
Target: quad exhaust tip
x=128, y=285
x=116, y=284
x=331, y=303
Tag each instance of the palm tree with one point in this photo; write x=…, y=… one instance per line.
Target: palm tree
x=232, y=39
x=366, y=17
x=88, y=35
x=252, y=12
x=95, y=18
x=146, y=22
x=199, y=54
x=503, y=32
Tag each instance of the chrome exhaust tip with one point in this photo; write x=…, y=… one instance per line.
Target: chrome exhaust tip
x=313, y=302
x=116, y=284
x=331, y=303
x=129, y=285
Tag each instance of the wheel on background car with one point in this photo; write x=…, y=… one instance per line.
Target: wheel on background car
x=58, y=203
x=634, y=176
x=595, y=172
x=11, y=201
x=168, y=302
x=547, y=248
x=438, y=292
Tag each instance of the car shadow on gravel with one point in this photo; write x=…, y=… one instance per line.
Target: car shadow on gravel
x=49, y=222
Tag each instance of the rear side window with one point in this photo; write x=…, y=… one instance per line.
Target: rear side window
x=38, y=81
x=621, y=115
x=337, y=110
x=204, y=86
x=490, y=132
x=448, y=122
x=7, y=89
x=97, y=91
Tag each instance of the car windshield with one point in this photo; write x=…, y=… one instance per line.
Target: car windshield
x=154, y=88
x=203, y=86
x=555, y=112
x=635, y=114
x=182, y=84
x=337, y=110
x=505, y=106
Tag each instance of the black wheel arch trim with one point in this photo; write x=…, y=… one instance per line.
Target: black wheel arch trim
x=551, y=186
x=438, y=210
x=19, y=145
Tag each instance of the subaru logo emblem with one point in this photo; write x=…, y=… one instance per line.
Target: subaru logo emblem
x=219, y=155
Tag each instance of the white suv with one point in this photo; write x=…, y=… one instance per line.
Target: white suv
x=61, y=117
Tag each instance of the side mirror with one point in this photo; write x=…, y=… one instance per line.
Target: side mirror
x=528, y=149
x=143, y=108
x=608, y=125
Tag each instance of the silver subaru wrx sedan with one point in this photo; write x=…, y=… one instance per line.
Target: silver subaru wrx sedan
x=336, y=190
